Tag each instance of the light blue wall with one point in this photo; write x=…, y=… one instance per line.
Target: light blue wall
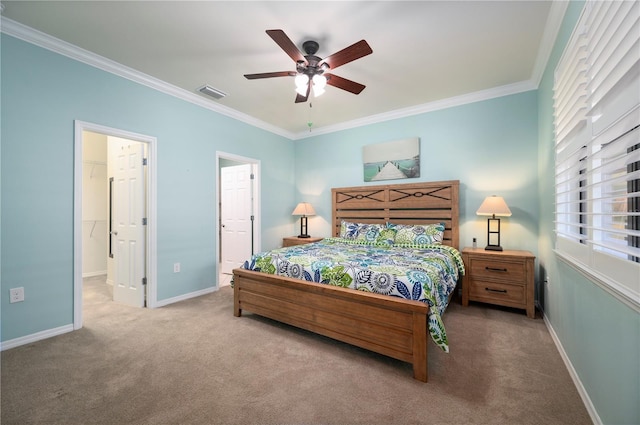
x=42, y=94
x=490, y=146
x=502, y=146
x=600, y=334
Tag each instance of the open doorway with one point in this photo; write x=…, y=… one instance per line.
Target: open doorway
x=238, y=212
x=114, y=214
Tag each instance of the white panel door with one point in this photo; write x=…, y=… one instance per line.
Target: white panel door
x=128, y=230
x=235, y=216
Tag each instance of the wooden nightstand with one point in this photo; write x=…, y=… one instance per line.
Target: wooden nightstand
x=294, y=240
x=499, y=277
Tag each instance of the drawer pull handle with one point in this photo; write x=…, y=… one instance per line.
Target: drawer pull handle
x=493, y=269
x=502, y=291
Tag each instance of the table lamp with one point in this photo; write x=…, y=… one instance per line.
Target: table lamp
x=494, y=206
x=304, y=209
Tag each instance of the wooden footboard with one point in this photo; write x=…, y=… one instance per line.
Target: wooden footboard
x=389, y=326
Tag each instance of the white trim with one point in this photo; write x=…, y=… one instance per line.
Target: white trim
x=167, y=301
x=69, y=50
x=152, y=225
x=28, y=339
x=572, y=372
x=611, y=287
x=38, y=38
x=451, y=102
x=551, y=29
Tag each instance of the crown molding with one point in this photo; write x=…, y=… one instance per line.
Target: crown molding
x=551, y=29
x=69, y=50
x=464, y=99
x=38, y=38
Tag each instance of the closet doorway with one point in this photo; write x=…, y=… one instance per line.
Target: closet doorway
x=238, y=212
x=114, y=215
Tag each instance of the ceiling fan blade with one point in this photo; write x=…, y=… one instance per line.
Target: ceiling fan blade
x=300, y=98
x=344, y=84
x=286, y=44
x=270, y=75
x=348, y=54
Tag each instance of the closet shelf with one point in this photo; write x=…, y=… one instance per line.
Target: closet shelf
x=93, y=227
x=93, y=165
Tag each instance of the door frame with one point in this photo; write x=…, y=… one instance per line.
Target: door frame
x=257, y=211
x=151, y=200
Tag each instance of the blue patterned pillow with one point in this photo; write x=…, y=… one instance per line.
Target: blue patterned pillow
x=420, y=234
x=369, y=233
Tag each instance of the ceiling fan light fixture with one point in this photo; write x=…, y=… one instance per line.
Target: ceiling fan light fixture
x=319, y=83
x=317, y=91
x=301, y=81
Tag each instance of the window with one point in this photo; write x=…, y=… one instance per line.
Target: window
x=597, y=132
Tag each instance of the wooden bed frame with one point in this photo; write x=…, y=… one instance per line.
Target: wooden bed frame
x=390, y=326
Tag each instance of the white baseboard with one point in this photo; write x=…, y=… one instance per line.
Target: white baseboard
x=179, y=298
x=574, y=375
x=28, y=339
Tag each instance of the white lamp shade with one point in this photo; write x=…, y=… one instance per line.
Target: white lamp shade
x=317, y=91
x=494, y=205
x=319, y=81
x=303, y=208
x=301, y=80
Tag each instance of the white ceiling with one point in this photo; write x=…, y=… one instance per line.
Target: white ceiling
x=425, y=53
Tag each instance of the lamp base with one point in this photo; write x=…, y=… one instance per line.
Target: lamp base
x=493, y=248
x=304, y=236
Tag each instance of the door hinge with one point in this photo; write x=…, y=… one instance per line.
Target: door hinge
x=144, y=161
x=144, y=280
x=252, y=217
x=252, y=176
x=144, y=221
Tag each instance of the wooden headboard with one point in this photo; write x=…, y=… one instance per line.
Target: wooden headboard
x=411, y=203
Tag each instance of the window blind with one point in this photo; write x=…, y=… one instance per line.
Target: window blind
x=597, y=136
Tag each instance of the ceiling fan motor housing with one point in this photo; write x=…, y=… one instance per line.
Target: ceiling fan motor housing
x=310, y=47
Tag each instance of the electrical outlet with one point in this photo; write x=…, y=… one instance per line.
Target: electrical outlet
x=176, y=267
x=16, y=295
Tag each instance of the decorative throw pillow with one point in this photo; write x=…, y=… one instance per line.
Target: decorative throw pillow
x=387, y=236
x=367, y=233
x=349, y=230
x=418, y=234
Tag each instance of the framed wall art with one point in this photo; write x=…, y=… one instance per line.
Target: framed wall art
x=399, y=159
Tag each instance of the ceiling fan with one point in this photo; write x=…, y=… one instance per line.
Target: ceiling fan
x=312, y=70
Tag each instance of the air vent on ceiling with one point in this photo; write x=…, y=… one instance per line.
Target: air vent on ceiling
x=210, y=91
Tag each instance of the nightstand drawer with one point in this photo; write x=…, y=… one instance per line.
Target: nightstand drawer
x=513, y=271
x=503, y=293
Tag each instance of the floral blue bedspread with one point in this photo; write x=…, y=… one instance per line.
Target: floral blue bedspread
x=426, y=273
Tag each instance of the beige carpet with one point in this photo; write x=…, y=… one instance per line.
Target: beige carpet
x=194, y=363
